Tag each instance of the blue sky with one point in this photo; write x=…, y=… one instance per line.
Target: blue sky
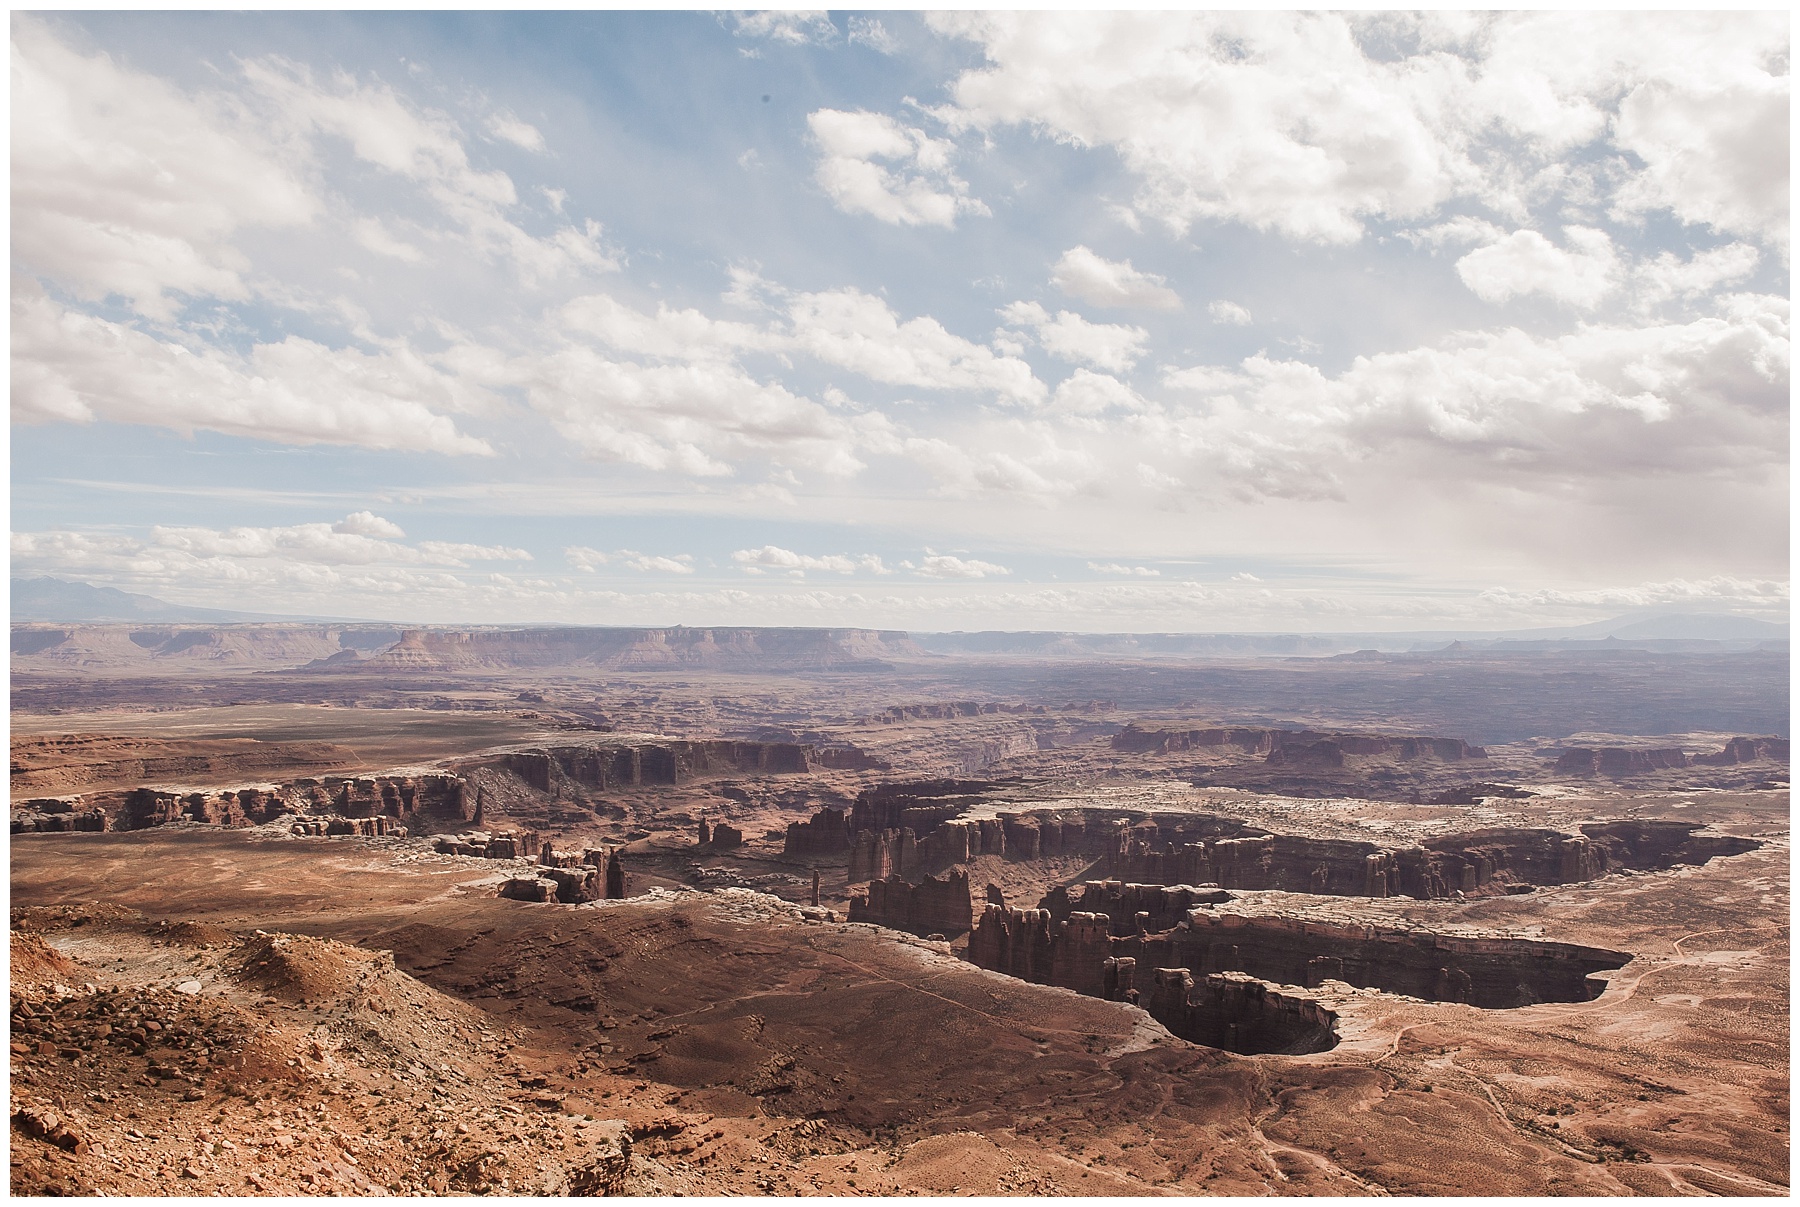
x=1135, y=322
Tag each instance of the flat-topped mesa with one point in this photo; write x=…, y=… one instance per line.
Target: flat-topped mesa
x=1747, y=750
x=826, y=832
x=922, y=805
x=721, y=649
x=1615, y=762
x=933, y=906
x=902, y=713
x=636, y=762
x=523, y=844
x=1295, y=747
x=1132, y=908
x=1477, y=970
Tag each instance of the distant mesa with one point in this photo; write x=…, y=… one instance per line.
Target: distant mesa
x=621, y=649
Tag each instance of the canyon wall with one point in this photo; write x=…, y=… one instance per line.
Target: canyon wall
x=933, y=906
x=1480, y=971
x=633, y=763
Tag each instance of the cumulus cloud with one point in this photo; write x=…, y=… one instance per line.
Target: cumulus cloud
x=1525, y=262
x=1086, y=275
x=648, y=563
x=367, y=523
x=1723, y=589
x=1229, y=313
x=912, y=185
x=1070, y=337
x=772, y=559
x=585, y=559
x=1125, y=571
x=1312, y=125
x=73, y=367
x=123, y=185
x=943, y=565
x=860, y=332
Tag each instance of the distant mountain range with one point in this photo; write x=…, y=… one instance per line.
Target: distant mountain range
x=56, y=600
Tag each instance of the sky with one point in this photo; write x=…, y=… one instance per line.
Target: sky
x=1110, y=322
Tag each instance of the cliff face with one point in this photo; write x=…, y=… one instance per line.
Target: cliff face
x=1487, y=972
x=633, y=763
x=1614, y=762
x=933, y=906
x=826, y=832
x=722, y=649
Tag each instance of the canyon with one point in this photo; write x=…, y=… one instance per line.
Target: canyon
x=684, y=911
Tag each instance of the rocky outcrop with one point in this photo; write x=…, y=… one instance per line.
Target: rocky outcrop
x=932, y=906
x=826, y=832
x=883, y=855
x=1238, y=1013
x=1132, y=908
x=726, y=837
x=1481, y=971
x=1747, y=750
x=1654, y=845
x=922, y=805
x=525, y=844
x=1615, y=762
x=366, y=827
x=721, y=649
x=638, y=762
x=52, y=815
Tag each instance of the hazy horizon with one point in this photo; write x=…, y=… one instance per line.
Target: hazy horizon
x=1061, y=322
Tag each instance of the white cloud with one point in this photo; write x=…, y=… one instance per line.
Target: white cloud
x=774, y=559
x=1085, y=392
x=1525, y=262
x=367, y=523
x=667, y=335
x=870, y=32
x=796, y=28
x=1090, y=277
x=1719, y=589
x=1229, y=313
x=74, y=368
x=1311, y=125
x=585, y=559
x=505, y=125
x=695, y=419
x=859, y=332
x=943, y=565
x=1668, y=276
x=425, y=147
x=1070, y=337
x=647, y=563
x=913, y=186
x=1125, y=571
x=459, y=551
x=373, y=235
x=122, y=185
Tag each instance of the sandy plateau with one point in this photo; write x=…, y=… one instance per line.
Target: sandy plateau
x=800, y=912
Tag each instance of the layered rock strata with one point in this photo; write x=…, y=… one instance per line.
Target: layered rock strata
x=933, y=906
x=1490, y=972
x=1302, y=747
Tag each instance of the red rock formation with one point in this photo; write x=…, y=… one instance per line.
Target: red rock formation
x=615, y=878
x=932, y=906
x=878, y=856
x=608, y=764
x=1614, y=761
x=826, y=832
x=1488, y=972
x=1747, y=750
x=726, y=837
